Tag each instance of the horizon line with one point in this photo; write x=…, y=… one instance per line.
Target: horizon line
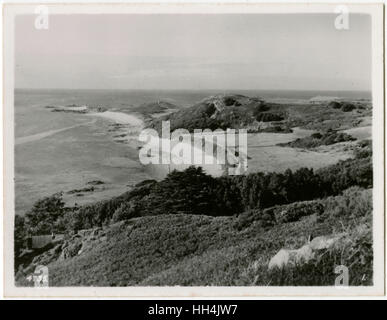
x=163, y=89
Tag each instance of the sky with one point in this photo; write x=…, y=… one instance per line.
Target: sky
x=194, y=52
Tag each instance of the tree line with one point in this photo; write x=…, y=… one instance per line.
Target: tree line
x=194, y=192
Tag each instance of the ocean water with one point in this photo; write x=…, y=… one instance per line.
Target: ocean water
x=56, y=151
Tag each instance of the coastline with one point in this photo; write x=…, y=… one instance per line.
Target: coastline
x=120, y=118
x=116, y=160
x=45, y=134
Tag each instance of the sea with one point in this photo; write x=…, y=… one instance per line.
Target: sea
x=60, y=152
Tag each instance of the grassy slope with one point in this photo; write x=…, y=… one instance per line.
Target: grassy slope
x=222, y=112
x=153, y=107
x=322, y=117
x=202, y=250
x=244, y=112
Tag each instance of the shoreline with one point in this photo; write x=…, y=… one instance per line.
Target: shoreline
x=120, y=118
x=45, y=134
x=123, y=128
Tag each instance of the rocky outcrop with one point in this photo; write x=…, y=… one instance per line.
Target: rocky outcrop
x=292, y=257
x=286, y=257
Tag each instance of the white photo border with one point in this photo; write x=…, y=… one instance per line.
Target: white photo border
x=376, y=10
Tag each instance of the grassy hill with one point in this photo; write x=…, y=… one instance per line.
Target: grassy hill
x=257, y=115
x=154, y=107
x=323, y=117
x=222, y=112
x=193, y=250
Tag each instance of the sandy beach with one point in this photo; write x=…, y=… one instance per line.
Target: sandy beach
x=120, y=118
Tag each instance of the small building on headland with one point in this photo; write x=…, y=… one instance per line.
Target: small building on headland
x=38, y=242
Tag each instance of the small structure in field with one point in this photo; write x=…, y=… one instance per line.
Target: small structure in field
x=38, y=242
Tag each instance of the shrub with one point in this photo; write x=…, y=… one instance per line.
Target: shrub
x=316, y=135
x=334, y=105
x=355, y=203
x=345, y=174
x=295, y=211
x=126, y=211
x=45, y=215
x=231, y=101
x=269, y=116
x=347, y=107
x=318, y=139
x=363, y=149
x=262, y=218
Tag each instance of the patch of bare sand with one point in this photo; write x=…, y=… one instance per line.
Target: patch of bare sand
x=120, y=118
x=278, y=159
x=360, y=133
x=265, y=139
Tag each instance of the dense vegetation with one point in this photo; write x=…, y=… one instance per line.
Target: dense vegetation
x=184, y=249
x=222, y=112
x=257, y=115
x=322, y=117
x=153, y=107
x=194, y=192
x=319, y=139
x=345, y=106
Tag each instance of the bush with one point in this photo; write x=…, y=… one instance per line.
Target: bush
x=45, y=216
x=345, y=174
x=344, y=106
x=347, y=107
x=334, y=105
x=318, y=139
x=355, y=203
x=295, y=211
x=363, y=149
x=317, y=135
x=231, y=101
x=126, y=211
x=261, y=218
x=269, y=116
